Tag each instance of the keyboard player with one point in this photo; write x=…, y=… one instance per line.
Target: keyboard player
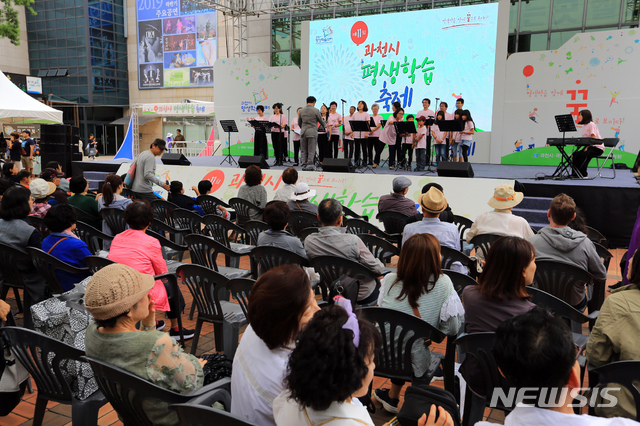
x=582, y=157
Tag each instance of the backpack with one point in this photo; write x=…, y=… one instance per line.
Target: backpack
x=418, y=400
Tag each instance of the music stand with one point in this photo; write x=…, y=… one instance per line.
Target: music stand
x=428, y=122
x=565, y=124
x=404, y=127
x=361, y=126
x=229, y=126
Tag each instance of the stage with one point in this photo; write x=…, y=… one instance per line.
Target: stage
x=610, y=205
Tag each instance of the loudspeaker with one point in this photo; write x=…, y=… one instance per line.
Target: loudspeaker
x=175, y=159
x=454, y=169
x=252, y=160
x=343, y=165
x=58, y=143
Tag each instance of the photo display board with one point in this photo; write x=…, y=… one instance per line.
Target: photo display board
x=177, y=44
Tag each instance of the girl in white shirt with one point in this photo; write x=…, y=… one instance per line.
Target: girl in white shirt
x=455, y=138
x=467, y=133
x=439, y=139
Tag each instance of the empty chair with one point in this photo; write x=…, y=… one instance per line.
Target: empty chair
x=95, y=263
x=170, y=249
x=209, y=204
x=450, y=256
x=93, y=238
x=347, y=212
x=186, y=219
x=463, y=224
x=114, y=219
x=204, y=251
x=331, y=268
x=460, y=281
x=300, y=220
x=162, y=211
x=224, y=232
x=86, y=217
x=253, y=228
x=359, y=226
x=381, y=249
x=306, y=232
x=482, y=243
x=199, y=415
x=245, y=211
x=568, y=282
x=240, y=288
x=267, y=257
x=11, y=274
x=596, y=236
x=604, y=254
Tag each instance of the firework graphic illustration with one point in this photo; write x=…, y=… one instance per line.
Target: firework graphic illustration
x=336, y=74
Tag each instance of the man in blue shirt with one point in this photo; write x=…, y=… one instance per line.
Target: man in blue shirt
x=29, y=145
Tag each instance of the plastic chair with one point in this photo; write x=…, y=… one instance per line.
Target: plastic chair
x=240, y=288
x=173, y=295
x=482, y=243
x=204, y=251
x=210, y=204
x=300, y=220
x=10, y=259
x=114, y=219
x=129, y=393
x=604, y=254
x=183, y=201
x=358, y=226
x=330, y=268
x=306, y=232
x=45, y=359
x=623, y=373
x=460, y=281
x=186, y=219
x=162, y=211
x=611, y=144
x=399, y=332
x=346, y=211
x=244, y=210
x=48, y=266
x=222, y=230
x=596, y=236
x=449, y=256
x=381, y=249
x=267, y=257
x=174, y=234
x=463, y=224
x=95, y=263
x=93, y=238
x=38, y=223
x=253, y=228
x=394, y=222
x=85, y=217
x=127, y=193
x=199, y=415
x=170, y=249
x=213, y=307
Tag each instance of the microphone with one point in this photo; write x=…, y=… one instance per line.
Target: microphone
x=288, y=108
x=343, y=101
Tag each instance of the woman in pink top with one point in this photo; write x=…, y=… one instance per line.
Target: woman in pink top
x=143, y=253
x=277, y=134
x=324, y=150
x=374, y=136
x=260, y=146
x=361, y=137
x=582, y=157
x=392, y=137
x=439, y=138
x=334, y=123
x=348, y=133
x=296, y=139
x=467, y=133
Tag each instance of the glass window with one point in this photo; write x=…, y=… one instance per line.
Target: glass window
x=603, y=12
x=280, y=34
x=295, y=57
x=372, y=11
x=631, y=12
x=567, y=14
x=513, y=16
x=532, y=42
x=280, y=59
x=534, y=15
x=511, y=44
x=296, y=34
x=560, y=38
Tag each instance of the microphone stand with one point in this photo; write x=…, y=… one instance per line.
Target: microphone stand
x=287, y=158
x=343, y=140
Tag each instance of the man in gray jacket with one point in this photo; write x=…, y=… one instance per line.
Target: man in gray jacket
x=558, y=242
x=146, y=172
x=308, y=122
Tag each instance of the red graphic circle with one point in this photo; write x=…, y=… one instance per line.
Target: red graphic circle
x=216, y=178
x=578, y=81
x=527, y=71
x=359, y=33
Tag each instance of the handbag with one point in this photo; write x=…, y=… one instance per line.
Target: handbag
x=13, y=379
x=131, y=175
x=419, y=399
x=218, y=367
x=346, y=287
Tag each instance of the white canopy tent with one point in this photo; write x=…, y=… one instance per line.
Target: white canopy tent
x=20, y=107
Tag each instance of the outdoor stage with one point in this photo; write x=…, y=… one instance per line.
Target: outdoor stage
x=610, y=205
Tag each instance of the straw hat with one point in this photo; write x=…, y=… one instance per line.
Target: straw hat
x=433, y=201
x=40, y=188
x=504, y=197
x=302, y=192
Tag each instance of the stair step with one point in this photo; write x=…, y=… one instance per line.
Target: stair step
x=536, y=203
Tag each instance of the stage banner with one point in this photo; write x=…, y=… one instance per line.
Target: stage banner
x=177, y=43
x=594, y=71
x=178, y=109
x=359, y=192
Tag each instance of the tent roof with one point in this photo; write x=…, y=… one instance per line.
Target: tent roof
x=14, y=103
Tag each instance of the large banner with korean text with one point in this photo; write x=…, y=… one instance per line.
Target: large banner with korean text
x=443, y=53
x=359, y=192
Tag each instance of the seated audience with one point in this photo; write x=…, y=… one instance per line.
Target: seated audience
x=559, y=242
x=445, y=216
x=40, y=192
x=50, y=175
x=15, y=206
x=24, y=178
x=614, y=337
x=63, y=244
x=289, y=179
x=143, y=253
x=118, y=297
x=4, y=310
x=175, y=189
x=5, y=184
x=276, y=214
x=10, y=170
x=299, y=200
x=500, y=294
x=80, y=200
x=535, y=351
x=332, y=240
x=396, y=201
x=501, y=221
x=419, y=288
x=205, y=188
x=281, y=303
x=112, y=198
x=253, y=192
x=64, y=183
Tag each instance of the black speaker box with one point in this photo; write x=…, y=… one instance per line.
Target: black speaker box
x=58, y=143
x=343, y=165
x=175, y=159
x=252, y=160
x=454, y=169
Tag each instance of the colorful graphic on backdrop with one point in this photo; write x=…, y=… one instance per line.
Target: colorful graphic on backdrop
x=430, y=53
x=175, y=34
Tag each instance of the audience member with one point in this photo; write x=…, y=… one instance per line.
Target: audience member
x=299, y=200
x=28, y=146
x=289, y=178
x=281, y=303
x=253, y=192
x=558, y=242
x=145, y=176
x=500, y=294
x=445, y=216
x=63, y=244
x=40, y=192
x=205, y=188
x=5, y=184
x=15, y=206
x=4, y=310
x=10, y=170
x=332, y=240
x=276, y=214
x=579, y=222
x=24, y=178
x=419, y=288
x=118, y=297
x=112, y=198
x=176, y=189
x=396, y=201
x=535, y=351
x=51, y=175
x=80, y=200
x=64, y=183
x=501, y=221
x=143, y=253
x=614, y=337
x=329, y=369
x=15, y=148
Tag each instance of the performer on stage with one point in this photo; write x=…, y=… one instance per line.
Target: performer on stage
x=348, y=133
x=374, y=136
x=467, y=133
x=582, y=157
x=407, y=146
x=455, y=138
x=334, y=123
x=324, y=150
x=260, y=146
x=361, y=137
x=277, y=134
x=308, y=121
x=389, y=136
x=295, y=127
x=439, y=138
x=443, y=108
x=420, y=144
x=427, y=113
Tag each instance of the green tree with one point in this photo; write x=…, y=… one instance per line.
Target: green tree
x=9, y=24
